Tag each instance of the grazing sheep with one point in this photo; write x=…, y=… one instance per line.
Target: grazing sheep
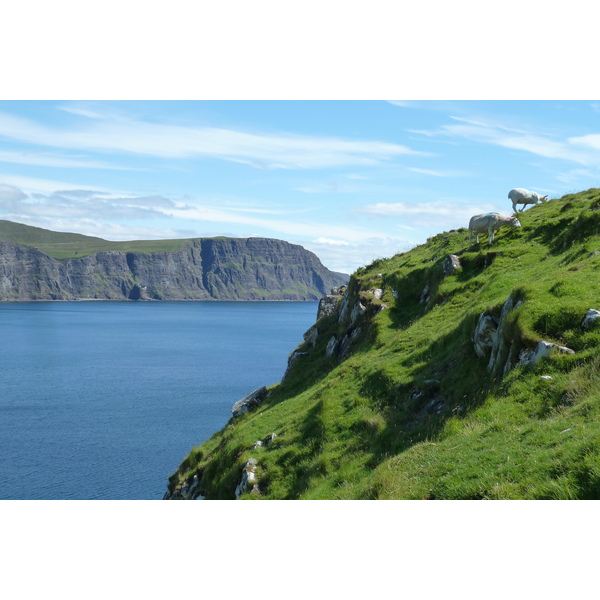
x=522, y=196
x=490, y=222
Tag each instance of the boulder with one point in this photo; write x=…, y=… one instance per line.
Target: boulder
x=544, y=349
x=249, y=401
x=591, y=318
x=451, y=265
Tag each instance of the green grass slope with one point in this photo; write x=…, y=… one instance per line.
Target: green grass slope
x=412, y=412
x=72, y=245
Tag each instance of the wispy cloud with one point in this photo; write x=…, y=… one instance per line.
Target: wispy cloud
x=437, y=213
x=435, y=173
x=584, y=150
x=273, y=151
x=54, y=160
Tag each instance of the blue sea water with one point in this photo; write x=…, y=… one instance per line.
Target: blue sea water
x=102, y=400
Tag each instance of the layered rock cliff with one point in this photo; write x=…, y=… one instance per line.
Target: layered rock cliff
x=204, y=269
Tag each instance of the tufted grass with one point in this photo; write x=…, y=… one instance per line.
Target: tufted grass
x=412, y=412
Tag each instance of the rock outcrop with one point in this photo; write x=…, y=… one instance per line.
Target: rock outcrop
x=204, y=269
x=250, y=401
x=495, y=338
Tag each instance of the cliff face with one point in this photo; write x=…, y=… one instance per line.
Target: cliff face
x=205, y=269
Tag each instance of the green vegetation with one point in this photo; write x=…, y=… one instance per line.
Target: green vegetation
x=73, y=245
x=412, y=412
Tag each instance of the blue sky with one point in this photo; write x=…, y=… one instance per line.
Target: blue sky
x=349, y=180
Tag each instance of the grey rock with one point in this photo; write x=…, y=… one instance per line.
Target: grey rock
x=357, y=311
x=249, y=479
x=327, y=306
x=451, y=265
x=591, y=318
x=424, y=298
x=250, y=401
x=485, y=334
x=503, y=349
x=311, y=335
x=292, y=360
x=544, y=349
x=331, y=346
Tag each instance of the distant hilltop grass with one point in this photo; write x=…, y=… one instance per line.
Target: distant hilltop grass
x=74, y=245
x=387, y=397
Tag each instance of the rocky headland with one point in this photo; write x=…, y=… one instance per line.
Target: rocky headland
x=203, y=269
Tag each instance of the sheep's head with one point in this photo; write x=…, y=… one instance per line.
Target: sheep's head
x=515, y=222
x=544, y=198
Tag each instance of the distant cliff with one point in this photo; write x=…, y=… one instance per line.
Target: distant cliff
x=203, y=269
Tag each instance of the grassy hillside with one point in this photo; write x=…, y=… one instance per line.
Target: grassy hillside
x=71, y=245
x=412, y=412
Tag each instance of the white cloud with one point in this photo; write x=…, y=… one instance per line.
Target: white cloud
x=51, y=160
x=278, y=151
x=583, y=150
x=330, y=242
x=348, y=258
x=436, y=173
x=437, y=213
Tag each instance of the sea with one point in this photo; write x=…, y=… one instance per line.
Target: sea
x=103, y=400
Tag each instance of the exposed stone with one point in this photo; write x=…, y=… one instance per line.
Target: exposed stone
x=258, y=444
x=249, y=479
x=485, y=333
x=545, y=378
x=344, y=346
x=357, y=312
x=529, y=357
x=311, y=335
x=590, y=318
x=339, y=291
x=344, y=308
x=424, y=298
x=331, y=345
x=249, y=401
x=504, y=349
x=292, y=360
x=203, y=269
x=451, y=265
x=327, y=306
x=377, y=293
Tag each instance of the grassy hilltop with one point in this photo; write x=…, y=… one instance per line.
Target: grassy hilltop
x=75, y=245
x=411, y=411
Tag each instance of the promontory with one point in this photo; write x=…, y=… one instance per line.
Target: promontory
x=38, y=264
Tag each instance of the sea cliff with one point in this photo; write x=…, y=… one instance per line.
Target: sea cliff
x=203, y=269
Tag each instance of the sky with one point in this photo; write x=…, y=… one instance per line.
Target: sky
x=350, y=180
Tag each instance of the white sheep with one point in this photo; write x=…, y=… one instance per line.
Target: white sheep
x=489, y=222
x=523, y=196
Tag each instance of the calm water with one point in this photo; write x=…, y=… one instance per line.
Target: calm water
x=102, y=400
